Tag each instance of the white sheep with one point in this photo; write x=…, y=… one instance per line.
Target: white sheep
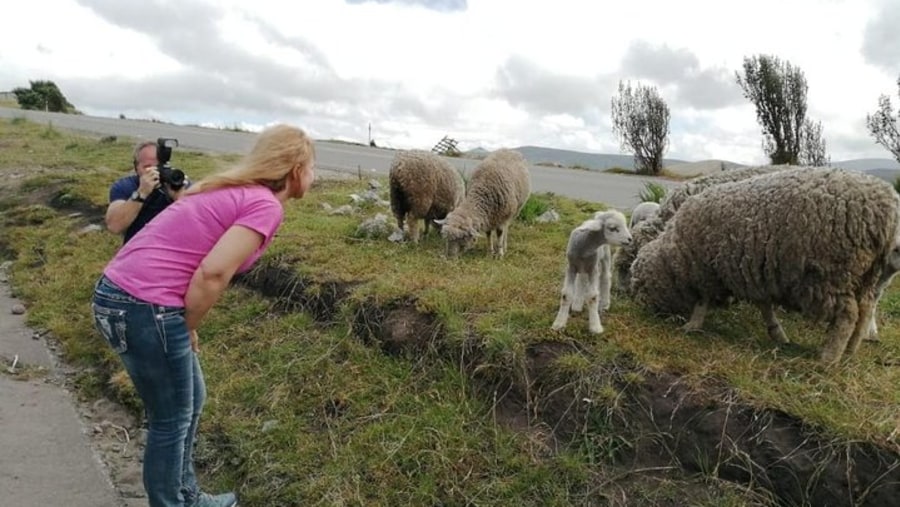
x=643, y=211
x=498, y=189
x=589, y=267
x=822, y=242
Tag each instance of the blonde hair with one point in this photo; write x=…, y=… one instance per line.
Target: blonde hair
x=278, y=150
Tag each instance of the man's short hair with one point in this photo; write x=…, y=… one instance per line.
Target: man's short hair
x=137, y=151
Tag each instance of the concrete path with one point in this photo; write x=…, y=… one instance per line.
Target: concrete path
x=47, y=457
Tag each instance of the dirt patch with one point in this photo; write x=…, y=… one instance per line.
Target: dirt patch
x=666, y=423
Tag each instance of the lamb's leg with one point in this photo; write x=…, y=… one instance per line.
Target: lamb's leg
x=839, y=331
x=565, y=299
x=504, y=235
x=861, y=330
x=697, y=316
x=580, y=288
x=605, y=282
x=593, y=301
x=773, y=327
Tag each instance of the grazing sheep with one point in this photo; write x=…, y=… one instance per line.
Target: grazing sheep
x=498, y=188
x=643, y=211
x=819, y=241
x=589, y=267
x=423, y=186
x=645, y=231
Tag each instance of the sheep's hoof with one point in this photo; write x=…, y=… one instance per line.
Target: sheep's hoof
x=692, y=328
x=596, y=330
x=777, y=334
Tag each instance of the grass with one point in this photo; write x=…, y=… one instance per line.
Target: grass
x=302, y=411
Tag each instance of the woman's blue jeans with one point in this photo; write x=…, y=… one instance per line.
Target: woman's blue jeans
x=155, y=347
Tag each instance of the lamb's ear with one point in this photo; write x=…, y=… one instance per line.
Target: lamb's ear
x=473, y=232
x=593, y=224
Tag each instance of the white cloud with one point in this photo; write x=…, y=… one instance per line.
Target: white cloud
x=489, y=73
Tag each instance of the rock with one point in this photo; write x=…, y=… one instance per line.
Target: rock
x=18, y=309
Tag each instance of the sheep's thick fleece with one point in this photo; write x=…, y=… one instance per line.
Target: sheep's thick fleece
x=647, y=230
x=809, y=239
x=422, y=186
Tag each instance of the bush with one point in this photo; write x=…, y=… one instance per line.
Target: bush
x=652, y=192
x=534, y=207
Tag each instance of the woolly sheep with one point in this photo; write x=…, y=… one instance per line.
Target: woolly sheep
x=422, y=186
x=818, y=241
x=589, y=267
x=498, y=189
x=643, y=211
x=645, y=231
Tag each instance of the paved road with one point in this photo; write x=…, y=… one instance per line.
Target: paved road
x=619, y=191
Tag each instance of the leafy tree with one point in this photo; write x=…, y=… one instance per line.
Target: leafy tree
x=883, y=125
x=640, y=118
x=812, y=145
x=44, y=96
x=778, y=90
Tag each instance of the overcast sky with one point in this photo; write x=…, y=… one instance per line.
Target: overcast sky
x=489, y=73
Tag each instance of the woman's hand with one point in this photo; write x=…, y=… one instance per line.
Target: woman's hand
x=195, y=341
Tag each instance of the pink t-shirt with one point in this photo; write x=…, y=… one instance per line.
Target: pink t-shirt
x=157, y=264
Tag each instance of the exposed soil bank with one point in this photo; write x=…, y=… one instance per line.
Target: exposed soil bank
x=666, y=421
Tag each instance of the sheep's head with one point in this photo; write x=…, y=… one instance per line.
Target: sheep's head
x=459, y=232
x=615, y=227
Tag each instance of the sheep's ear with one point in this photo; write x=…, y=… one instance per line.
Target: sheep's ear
x=440, y=221
x=473, y=232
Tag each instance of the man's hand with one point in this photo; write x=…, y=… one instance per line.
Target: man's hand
x=149, y=181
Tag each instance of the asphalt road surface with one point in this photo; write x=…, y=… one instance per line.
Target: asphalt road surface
x=616, y=190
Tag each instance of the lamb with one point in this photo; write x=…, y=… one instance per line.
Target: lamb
x=643, y=211
x=645, y=231
x=589, y=267
x=823, y=242
x=498, y=189
x=423, y=186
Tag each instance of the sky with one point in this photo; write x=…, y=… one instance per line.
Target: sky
x=488, y=73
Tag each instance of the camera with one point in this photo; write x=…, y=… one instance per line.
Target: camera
x=168, y=175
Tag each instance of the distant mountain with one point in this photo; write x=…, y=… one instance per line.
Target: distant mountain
x=884, y=168
x=567, y=158
x=867, y=164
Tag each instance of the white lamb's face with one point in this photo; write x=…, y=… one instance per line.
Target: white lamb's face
x=616, y=230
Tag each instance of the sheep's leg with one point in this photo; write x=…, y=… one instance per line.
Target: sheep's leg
x=866, y=317
x=695, y=324
x=414, y=230
x=872, y=330
x=593, y=301
x=501, y=241
x=773, y=327
x=565, y=299
x=605, y=283
x=839, y=331
x=399, y=217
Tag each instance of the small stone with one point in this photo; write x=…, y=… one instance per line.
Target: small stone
x=269, y=426
x=18, y=309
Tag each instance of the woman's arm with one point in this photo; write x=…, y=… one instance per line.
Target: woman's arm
x=216, y=270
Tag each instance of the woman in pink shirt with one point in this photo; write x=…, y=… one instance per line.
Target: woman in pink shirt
x=156, y=290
